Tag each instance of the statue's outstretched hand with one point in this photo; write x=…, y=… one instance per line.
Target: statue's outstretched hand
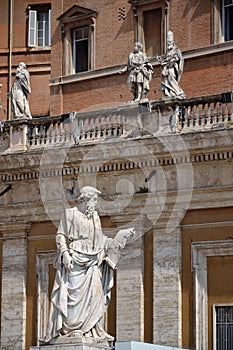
x=129, y=233
x=67, y=260
x=124, y=235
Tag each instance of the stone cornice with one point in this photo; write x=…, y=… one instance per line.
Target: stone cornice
x=16, y=174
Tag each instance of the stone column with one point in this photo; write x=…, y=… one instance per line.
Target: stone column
x=14, y=273
x=129, y=288
x=167, y=281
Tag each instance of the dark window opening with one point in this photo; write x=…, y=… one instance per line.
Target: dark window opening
x=228, y=20
x=81, y=49
x=152, y=31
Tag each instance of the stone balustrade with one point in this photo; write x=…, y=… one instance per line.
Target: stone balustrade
x=129, y=120
x=72, y=128
x=201, y=112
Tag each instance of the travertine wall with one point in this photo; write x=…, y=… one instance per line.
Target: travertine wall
x=45, y=179
x=14, y=285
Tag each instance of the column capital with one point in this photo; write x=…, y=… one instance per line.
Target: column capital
x=14, y=229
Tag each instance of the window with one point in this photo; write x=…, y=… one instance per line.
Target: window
x=39, y=26
x=152, y=25
x=222, y=21
x=80, y=50
x=78, y=29
x=227, y=20
x=152, y=31
x=223, y=327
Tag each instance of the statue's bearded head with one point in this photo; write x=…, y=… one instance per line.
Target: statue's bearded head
x=89, y=196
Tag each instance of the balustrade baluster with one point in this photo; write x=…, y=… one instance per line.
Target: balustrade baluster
x=86, y=129
x=208, y=114
x=221, y=112
x=94, y=136
x=92, y=127
x=120, y=125
x=98, y=128
x=61, y=136
x=111, y=126
x=192, y=116
x=52, y=133
x=34, y=135
x=103, y=127
x=185, y=118
x=203, y=114
x=114, y=125
x=108, y=127
x=197, y=116
x=56, y=132
x=215, y=114
x=48, y=134
x=41, y=134
x=230, y=111
x=81, y=130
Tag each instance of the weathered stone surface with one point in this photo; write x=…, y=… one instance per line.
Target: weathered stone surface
x=192, y=170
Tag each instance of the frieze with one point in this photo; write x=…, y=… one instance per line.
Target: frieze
x=12, y=175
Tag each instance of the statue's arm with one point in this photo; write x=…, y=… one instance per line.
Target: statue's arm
x=116, y=245
x=62, y=246
x=63, y=250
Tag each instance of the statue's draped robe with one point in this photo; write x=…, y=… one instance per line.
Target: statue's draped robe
x=172, y=68
x=80, y=296
x=19, y=94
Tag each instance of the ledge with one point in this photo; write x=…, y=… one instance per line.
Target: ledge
x=26, y=49
x=105, y=72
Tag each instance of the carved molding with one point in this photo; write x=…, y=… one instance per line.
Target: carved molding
x=163, y=161
x=14, y=230
x=145, y=2
x=77, y=13
x=200, y=252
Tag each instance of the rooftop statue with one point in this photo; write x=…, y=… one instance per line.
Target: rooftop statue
x=19, y=93
x=172, y=64
x=84, y=265
x=140, y=73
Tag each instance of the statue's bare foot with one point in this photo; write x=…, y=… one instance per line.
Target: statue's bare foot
x=108, y=337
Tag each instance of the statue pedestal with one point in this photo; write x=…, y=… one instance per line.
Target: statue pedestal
x=75, y=343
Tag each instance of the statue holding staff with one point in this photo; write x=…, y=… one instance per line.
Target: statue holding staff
x=86, y=259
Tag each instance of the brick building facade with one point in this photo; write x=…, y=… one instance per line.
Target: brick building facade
x=56, y=89
x=173, y=284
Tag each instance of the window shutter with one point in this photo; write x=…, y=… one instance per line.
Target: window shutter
x=49, y=26
x=32, y=27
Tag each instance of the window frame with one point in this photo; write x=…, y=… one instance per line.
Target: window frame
x=201, y=250
x=141, y=6
x=74, y=18
x=214, y=321
x=218, y=21
x=33, y=30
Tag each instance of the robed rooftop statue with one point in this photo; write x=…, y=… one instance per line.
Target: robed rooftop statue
x=19, y=93
x=172, y=64
x=84, y=265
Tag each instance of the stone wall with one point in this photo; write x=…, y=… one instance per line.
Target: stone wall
x=147, y=180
